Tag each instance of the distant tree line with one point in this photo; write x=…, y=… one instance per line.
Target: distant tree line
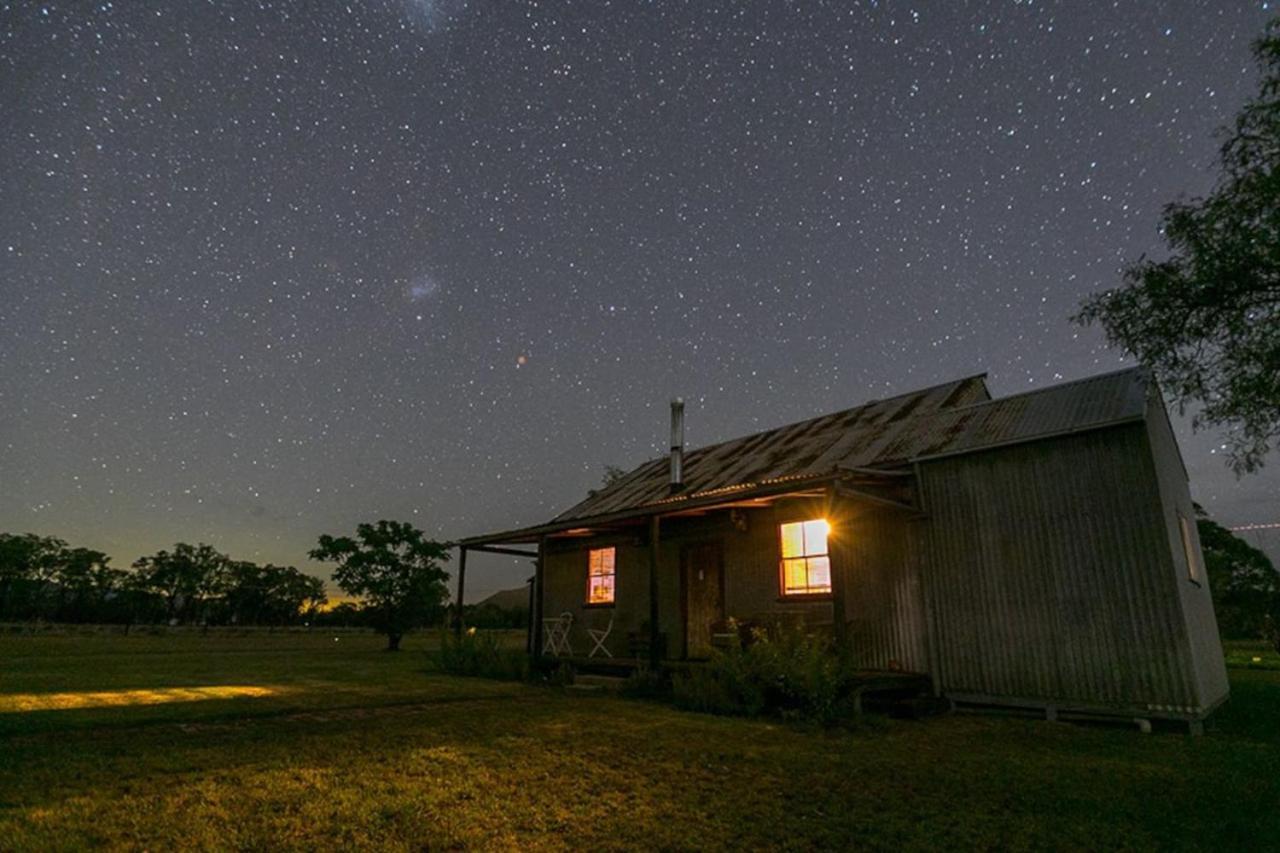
x=42, y=577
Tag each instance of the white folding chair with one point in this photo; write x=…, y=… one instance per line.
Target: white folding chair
x=551, y=635
x=560, y=634
x=598, y=636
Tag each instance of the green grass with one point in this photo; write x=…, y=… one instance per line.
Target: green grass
x=1252, y=654
x=353, y=747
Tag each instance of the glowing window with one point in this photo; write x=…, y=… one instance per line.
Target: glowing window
x=806, y=566
x=600, y=576
x=1189, y=550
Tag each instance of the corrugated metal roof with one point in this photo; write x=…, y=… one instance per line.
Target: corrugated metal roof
x=815, y=446
x=956, y=417
x=945, y=420
x=1070, y=407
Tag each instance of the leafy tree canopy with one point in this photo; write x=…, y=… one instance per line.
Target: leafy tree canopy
x=270, y=595
x=1207, y=319
x=1244, y=583
x=184, y=577
x=28, y=563
x=395, y=569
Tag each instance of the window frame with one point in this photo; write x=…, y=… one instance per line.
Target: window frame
x=613, y=587
x=809, y=594
x=1190, y=554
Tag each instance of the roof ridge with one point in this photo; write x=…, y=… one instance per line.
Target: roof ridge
x=1055, y=387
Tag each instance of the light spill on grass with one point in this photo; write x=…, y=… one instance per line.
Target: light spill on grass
x=17, y=702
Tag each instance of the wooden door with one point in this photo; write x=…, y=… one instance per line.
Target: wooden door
x=702, y=585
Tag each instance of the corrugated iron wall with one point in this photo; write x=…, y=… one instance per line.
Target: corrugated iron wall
x=883, y=604
x=1197, y=603
x=1049, y=579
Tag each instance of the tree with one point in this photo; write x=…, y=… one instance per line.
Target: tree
x=1245, y=586
x=1207, y=319
x=27, y=565
x=136, y=602
x=395, y=569
x=308, y=595
x=1271, y=632
x=612, y=474
x=85, y=581
x=188, y=578
x=270, y=595
x=346, y=614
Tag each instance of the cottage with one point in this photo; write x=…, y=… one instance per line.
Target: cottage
x=1038, y=550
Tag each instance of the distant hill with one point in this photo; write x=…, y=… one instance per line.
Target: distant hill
x=508, y=599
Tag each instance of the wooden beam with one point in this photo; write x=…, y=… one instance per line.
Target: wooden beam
x=462, y=581
x=655, y=653
x=874, y=473
x=539, y=575
x=510, y=552
x=860, y=494
x=667, y=506
x=528, y=631
x=841, y=553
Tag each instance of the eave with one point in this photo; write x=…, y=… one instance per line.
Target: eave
x=740, y=495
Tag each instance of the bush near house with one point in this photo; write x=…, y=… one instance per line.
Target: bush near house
x=786, y=672
x=481, y=654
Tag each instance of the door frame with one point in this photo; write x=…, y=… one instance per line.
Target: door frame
x=685, y=550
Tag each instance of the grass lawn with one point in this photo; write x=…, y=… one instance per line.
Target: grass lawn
x=298, y=741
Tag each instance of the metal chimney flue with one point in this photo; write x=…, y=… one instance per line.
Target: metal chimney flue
x=677, y=445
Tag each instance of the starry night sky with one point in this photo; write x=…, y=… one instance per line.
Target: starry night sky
x=271, y=269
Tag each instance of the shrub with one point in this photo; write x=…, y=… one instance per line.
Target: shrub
x=788, y=673
x=478, y=653
x=646, y=683
x=726, y=685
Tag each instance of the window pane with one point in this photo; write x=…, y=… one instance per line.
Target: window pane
x=819, y=574
x=792, y=540
x=601, y=591
x=601, y=561
x=794, y=576
x=815, y=537
x=1189, y=549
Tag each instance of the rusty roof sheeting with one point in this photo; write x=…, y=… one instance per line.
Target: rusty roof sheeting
x=956, y=417
x=1070, y=407
x=817, y=446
